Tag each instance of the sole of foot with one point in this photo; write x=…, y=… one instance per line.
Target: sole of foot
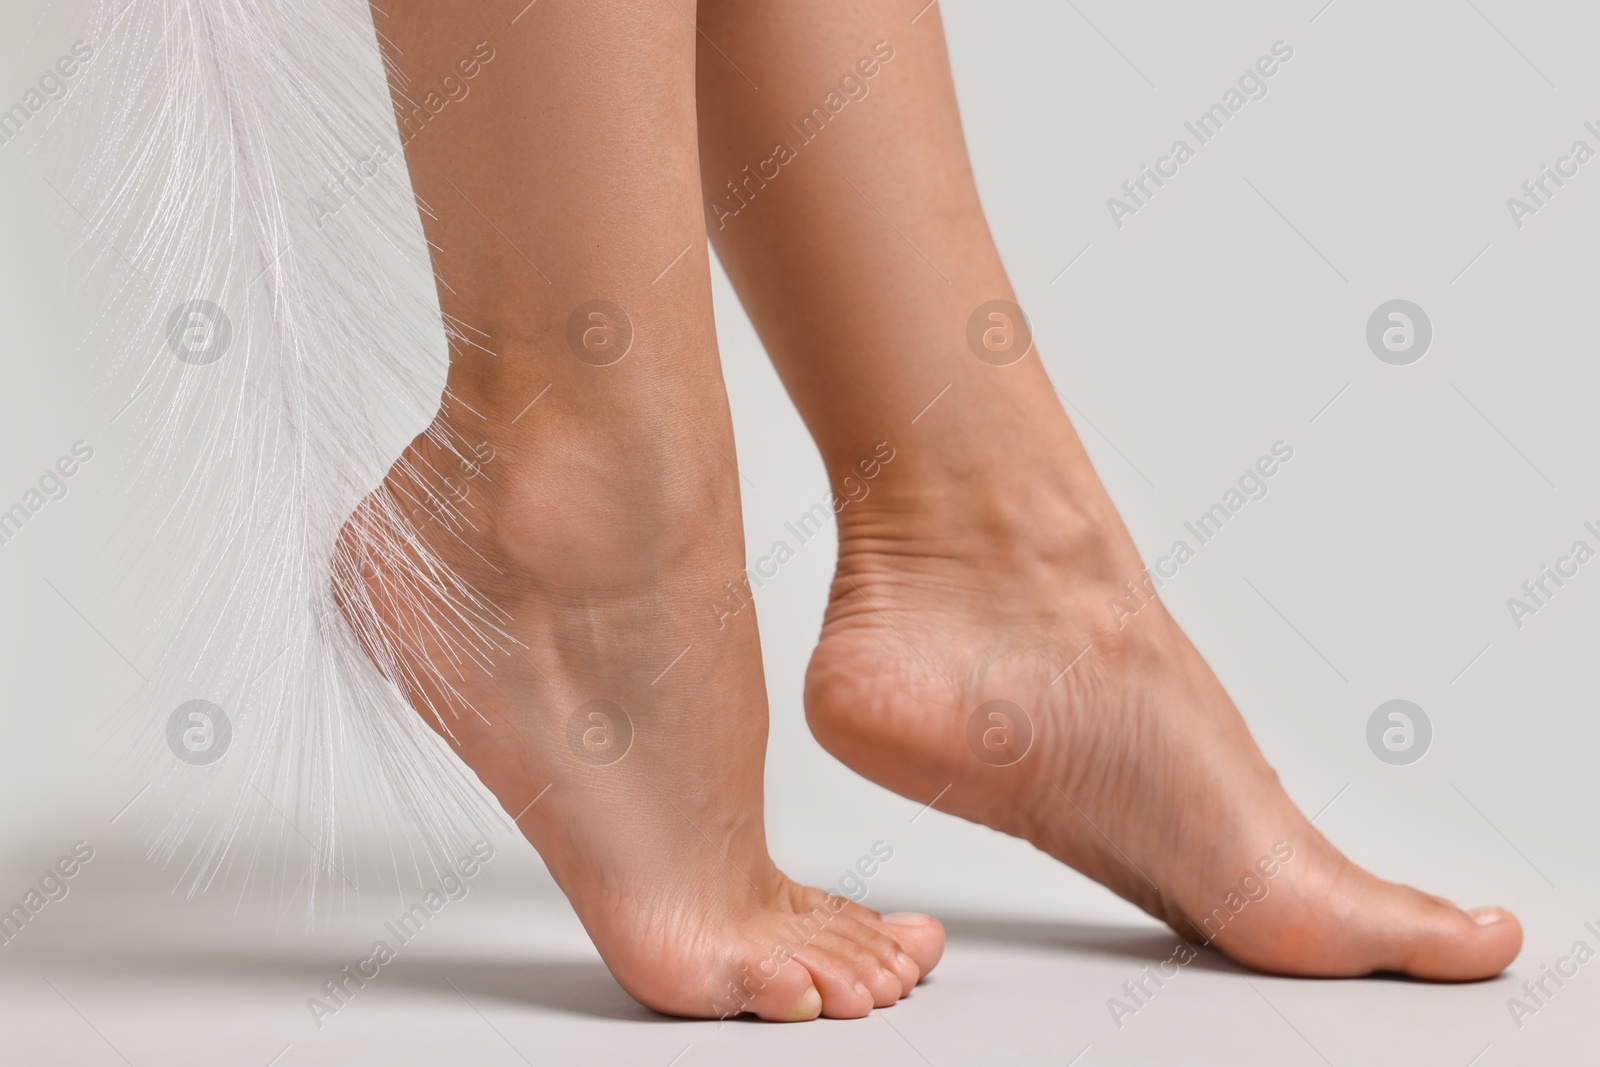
x=987, y=673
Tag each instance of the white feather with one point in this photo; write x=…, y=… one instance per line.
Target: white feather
x=210, y=131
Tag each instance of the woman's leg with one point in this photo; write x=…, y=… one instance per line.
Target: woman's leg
x=980, y=565
x=580, y=476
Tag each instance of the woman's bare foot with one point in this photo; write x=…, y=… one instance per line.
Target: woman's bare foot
x=581, y=480
x=1130, y=762
x=637, y=725
x=978, y=567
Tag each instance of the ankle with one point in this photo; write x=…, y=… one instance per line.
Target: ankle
x=1028, y=519
x=566, y=503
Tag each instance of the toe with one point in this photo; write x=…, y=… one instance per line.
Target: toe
x=1443, y=943
x=883, y=948
x=1339, y=921
x=1385, y=928
x=920, y=936
x=1395, y=928
x=790, y=996
x=849, y=978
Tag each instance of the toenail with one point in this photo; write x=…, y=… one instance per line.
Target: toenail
x=1487, y=916
x=903, y=960
x=864, y=992
x=908, y=918
x=810, y=1006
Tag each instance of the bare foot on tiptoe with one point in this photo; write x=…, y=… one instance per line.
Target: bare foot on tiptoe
x=957, y=605
x=646, y=723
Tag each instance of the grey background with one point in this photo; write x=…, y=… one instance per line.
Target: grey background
x=1226, y=315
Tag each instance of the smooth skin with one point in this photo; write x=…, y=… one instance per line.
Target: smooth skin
x=980, y=566
x=584, y=165
x=607, y=520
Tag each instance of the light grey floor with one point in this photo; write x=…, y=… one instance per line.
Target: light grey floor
x=120, y=972
x=1227, y=314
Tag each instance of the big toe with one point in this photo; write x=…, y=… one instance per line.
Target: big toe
x=1357, y=924
x=1396, y=929
x=1438, y=941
